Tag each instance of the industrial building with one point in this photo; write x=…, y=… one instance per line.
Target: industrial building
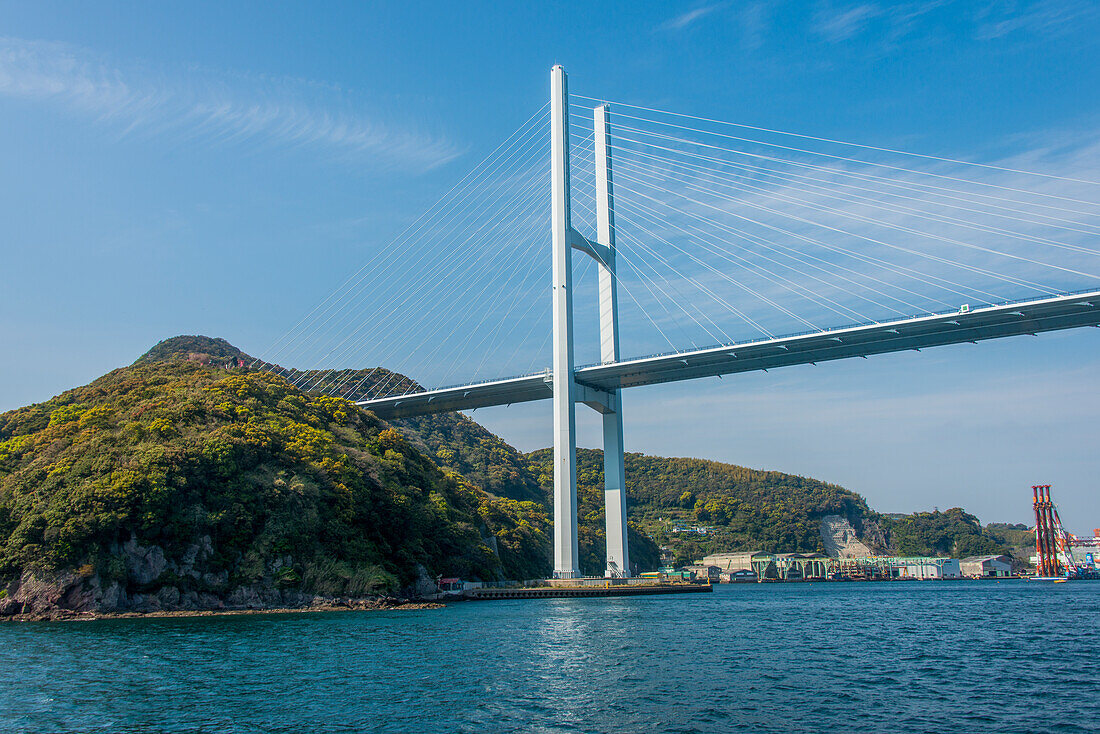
x=709, y=572
x=740, y=561
x=986, y=566
x=929, y=568
x=1086, y=550
x=760, y=566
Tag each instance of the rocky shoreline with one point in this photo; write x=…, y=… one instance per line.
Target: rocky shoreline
x=149, y=583
x=57, y=614
x=144, y=592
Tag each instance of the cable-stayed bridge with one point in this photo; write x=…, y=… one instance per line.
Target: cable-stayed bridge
x=1012, y=319
x=738, y=249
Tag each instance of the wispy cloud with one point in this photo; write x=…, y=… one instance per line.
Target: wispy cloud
x=1041, y=18
x=837, y=22
x=212, y=108
x=844, y=24
x=888, y=27
x=891, y=22
x=686, y=19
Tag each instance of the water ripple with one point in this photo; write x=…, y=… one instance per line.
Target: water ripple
x=919, y=657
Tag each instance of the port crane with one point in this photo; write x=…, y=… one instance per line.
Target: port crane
x=1053, y=544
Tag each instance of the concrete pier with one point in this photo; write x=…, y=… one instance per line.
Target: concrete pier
x=561, y=591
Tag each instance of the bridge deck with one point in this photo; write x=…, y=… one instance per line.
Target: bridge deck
x=991, y=322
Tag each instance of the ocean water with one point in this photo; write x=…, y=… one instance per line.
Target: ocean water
x=955, y=657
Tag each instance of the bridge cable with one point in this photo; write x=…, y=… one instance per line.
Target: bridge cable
x=413, y=227
x=463, y=227
x=908, y=230
x=975, y=198
x=864, y=162
x=474, y=258
x=837, y=142
x=353, y=301
x=745, y=263
x=737, y=151
x=412, y=289
x=793, y=181
x=936, y=258
x=926, y=278
x=678, y=302
x=882, y=263
x=650, y=284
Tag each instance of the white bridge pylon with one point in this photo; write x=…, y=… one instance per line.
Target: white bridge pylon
x=599, y=386
x=566, y=391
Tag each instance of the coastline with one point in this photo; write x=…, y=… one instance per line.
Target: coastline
x=358, y=605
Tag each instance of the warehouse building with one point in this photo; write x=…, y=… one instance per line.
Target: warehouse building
x=928, y=568
x=740, y=561
x=986, y=566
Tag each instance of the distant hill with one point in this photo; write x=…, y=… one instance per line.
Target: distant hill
x=696, y=507
x=739, y=508
x=1018, y=537
x=954, y=533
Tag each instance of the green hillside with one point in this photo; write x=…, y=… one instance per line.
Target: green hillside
x=232, y=480
x=454, y=441
x=740, y=508
x=1018, y=538
x=954, y=533
x=696, y=507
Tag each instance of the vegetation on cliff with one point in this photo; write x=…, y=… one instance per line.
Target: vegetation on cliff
x=287, y=489
x=454, y=441
x=1018, y=538
x=954, y=533
x=740, y=508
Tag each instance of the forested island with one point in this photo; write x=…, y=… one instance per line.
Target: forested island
x=195, y=479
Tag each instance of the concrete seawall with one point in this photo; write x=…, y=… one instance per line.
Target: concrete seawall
x=558, y=592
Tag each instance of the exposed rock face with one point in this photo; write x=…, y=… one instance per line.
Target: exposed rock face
x=44, y=594
x=68, y=595
x=144, y=564
x=874, y=536
x=840, y=538
x=37, y=595
x=423, y=586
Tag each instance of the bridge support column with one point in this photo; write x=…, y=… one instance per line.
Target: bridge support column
x=614, y=473
x=614, y=493
x=564, y=239
x=566, y=552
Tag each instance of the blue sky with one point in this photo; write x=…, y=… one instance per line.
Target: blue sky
x=220, y=170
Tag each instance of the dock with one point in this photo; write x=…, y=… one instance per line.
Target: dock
x=572, y=591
